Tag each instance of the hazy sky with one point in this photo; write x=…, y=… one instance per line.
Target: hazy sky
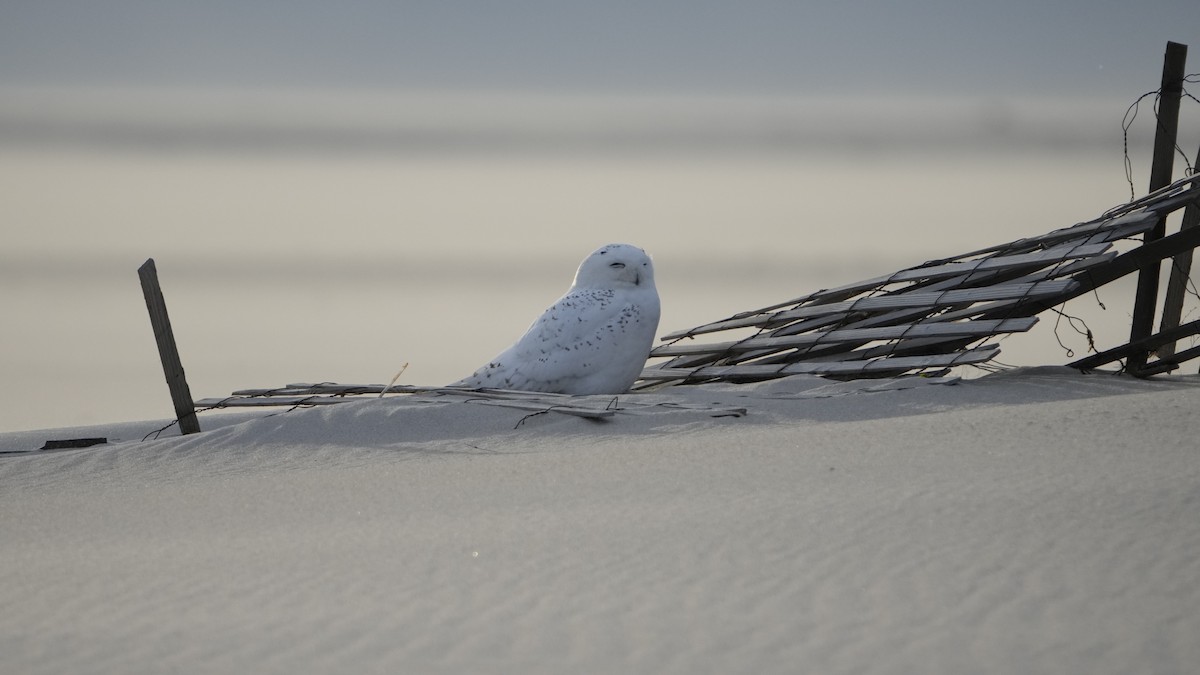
x=750, y=46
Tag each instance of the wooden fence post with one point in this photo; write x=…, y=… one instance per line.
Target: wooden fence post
x=1161, y=170
x=1181, y=268
x=181, y=396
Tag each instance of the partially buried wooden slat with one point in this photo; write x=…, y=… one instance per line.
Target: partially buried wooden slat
x=1145, y=345
x=269, y=401
x=1168, y=364
x=289, y=401
x=181, y=396
x=330, y=389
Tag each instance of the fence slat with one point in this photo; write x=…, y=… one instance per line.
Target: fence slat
x=898, y=332
x=843, y=368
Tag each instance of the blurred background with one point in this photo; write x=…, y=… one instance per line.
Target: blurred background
x=331, y=190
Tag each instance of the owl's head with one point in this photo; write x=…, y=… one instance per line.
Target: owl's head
x=614, y=266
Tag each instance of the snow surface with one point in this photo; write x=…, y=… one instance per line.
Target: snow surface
x=1037, y=521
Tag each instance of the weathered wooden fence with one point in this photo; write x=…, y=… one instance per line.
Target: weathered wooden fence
x=923, y=319
x=934, y=315
x=941, y=313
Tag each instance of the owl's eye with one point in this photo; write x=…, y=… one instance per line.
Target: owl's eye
x=617, y=265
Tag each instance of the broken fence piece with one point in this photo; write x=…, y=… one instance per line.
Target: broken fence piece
x=73, y=443
x=932, y=315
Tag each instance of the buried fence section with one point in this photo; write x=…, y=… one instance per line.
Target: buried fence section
x=936, y=315
x=931, y=316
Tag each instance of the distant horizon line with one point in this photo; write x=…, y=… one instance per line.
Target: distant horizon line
x=559, y=91
x=415, y=122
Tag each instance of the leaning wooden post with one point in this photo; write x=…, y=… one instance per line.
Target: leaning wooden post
x=181, y=396
x=1161, y=169
x=1181, y=269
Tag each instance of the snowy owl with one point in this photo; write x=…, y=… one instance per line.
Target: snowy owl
x=594, y=340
